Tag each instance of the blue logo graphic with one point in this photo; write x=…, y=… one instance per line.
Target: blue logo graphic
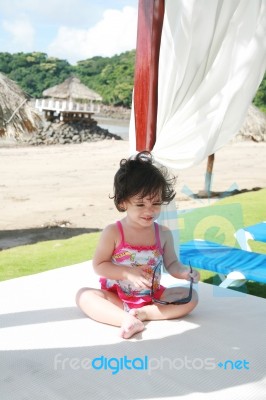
x=118, y=364
x=230, y=365
x=216, y=225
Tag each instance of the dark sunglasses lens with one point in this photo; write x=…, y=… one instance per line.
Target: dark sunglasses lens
x=181, y=301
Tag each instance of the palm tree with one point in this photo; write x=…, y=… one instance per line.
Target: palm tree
x=17, y=116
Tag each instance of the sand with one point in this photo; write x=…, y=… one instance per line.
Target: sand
x=63, y=190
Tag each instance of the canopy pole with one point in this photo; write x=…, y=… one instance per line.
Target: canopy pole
x=150, y=22
x=208, y=176
x=207, y=192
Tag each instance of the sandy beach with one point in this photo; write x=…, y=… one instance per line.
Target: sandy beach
x=61, y=191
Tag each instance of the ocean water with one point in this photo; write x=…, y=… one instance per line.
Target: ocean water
x=118, y=127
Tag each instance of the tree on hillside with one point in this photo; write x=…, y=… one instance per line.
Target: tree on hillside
x=34, y=72
x=112, y=77
x=260, y=98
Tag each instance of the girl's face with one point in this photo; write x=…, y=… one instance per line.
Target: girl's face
x=143, y=210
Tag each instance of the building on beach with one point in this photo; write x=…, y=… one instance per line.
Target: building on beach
x=70, y=101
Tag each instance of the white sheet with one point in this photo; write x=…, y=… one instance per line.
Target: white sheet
x=212, y=60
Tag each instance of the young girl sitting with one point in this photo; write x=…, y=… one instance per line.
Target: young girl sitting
x=131, y=252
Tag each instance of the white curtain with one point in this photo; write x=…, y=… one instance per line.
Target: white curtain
x=212, y=60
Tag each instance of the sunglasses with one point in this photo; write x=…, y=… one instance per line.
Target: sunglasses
x=185, y=300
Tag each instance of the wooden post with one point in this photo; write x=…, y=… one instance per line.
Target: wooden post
x=150, y=21
x=208, y=175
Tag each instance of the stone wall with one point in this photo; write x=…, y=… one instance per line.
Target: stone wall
x=62, y=133
x=114, y=112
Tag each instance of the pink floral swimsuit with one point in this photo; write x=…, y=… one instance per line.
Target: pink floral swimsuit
x=126, y=254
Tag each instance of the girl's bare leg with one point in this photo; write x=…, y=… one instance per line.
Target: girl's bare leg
x=171, y=311
x=106, y=307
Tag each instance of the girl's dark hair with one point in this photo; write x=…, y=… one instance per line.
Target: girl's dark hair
x=139, y=176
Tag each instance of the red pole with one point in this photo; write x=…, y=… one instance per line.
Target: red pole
x=150, y=22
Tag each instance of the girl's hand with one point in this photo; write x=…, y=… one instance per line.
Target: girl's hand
x=138, y=276
x=186, y=274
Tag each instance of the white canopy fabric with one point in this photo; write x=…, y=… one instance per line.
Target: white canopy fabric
x=212, y=60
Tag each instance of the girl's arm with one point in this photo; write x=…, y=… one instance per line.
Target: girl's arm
x=171, y=262
x=103, y=265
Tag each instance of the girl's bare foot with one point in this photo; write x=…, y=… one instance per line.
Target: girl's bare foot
x=131, y=325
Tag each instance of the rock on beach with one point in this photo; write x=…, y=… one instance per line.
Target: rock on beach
x=66, y=133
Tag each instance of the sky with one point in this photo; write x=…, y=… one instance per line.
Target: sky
x=72, y=30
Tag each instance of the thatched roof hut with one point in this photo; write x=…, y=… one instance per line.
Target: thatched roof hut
x=17, y=116
x=73, y=90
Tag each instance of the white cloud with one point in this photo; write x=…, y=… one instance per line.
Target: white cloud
x=114, y=34
x=21, y=31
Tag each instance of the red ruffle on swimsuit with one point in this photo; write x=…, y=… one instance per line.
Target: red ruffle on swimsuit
x=125, y=254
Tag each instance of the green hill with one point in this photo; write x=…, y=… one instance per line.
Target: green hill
x=111, y=77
